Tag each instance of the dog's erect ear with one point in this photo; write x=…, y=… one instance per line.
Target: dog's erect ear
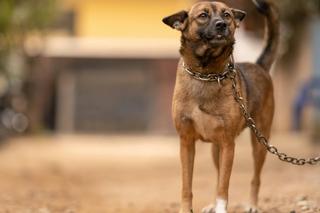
x=239, y=15
x=177, y=21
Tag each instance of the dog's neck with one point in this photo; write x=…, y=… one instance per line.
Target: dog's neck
x=204, y=60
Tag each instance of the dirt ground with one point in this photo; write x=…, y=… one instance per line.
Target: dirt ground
x=140, y=174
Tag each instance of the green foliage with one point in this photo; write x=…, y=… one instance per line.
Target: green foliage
x=18, y=17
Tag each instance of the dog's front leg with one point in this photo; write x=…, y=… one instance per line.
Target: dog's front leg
x=187, y=153
x=225, y=167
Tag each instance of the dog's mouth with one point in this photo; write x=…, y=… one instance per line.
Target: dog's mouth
x=218, y=39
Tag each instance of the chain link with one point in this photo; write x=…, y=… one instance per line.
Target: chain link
x=210, y=77
x=262, y=139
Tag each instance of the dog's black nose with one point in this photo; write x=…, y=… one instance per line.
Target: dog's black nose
x=221, y=25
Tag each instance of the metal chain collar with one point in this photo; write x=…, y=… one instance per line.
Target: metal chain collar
x=211, y=77
x=231, y=73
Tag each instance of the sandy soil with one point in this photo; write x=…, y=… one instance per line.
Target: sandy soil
x=140, y=174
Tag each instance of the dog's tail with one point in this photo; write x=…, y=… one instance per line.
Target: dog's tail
x=268, y=55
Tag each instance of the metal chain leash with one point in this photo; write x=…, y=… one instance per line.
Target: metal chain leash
x=231, y=73
x=262, y=139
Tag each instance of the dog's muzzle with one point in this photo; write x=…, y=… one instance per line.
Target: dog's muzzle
x=216, y=30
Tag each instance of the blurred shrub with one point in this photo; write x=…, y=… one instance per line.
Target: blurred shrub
x=20, y=20
x=17, y=19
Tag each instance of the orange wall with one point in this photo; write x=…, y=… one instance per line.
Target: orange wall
x=125, y=18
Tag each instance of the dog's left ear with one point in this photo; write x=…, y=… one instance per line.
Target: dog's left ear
x=239, y=15
x=177, y=21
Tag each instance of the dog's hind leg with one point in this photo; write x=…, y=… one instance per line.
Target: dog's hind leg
x=259, y=153
x=223, y=155
x=215, y=156
x=226, y=155
x=215, y=151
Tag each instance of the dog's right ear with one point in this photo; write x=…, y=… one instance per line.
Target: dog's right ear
x=177, y=21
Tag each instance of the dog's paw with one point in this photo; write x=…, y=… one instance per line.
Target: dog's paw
x=252, y=210
x=208, y=209
x=188, y=211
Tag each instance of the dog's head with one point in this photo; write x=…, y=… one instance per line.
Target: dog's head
x=209, y=26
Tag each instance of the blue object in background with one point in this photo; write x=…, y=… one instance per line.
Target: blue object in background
x=310, y=92
x=308, y=95
x=316, y=47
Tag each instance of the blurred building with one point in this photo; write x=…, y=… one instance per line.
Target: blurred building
x=109, y=67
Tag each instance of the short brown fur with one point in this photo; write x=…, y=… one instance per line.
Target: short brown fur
x=207, y=111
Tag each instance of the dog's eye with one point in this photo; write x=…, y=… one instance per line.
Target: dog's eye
x=203, y=15
x=226, y=15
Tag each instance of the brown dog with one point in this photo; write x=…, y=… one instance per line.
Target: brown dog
x=207, y=111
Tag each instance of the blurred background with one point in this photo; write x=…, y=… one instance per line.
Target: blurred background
x=97, y=76
x=109, y=67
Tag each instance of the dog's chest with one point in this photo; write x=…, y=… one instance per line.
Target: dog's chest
x=205, y=110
